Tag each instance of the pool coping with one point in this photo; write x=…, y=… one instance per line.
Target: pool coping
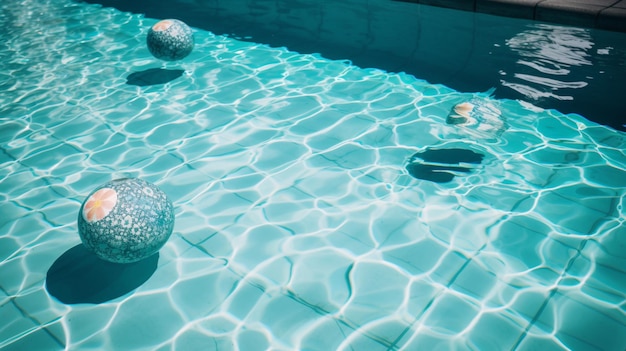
x=599, y=14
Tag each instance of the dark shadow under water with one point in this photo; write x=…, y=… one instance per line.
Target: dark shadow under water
x=442, y=165
x=573, y=70
x=153, y=76
x=79, y=276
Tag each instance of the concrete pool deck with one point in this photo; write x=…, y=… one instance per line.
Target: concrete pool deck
x=600, y=14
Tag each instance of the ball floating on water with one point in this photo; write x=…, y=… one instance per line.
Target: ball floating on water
x=478, y=113
x=170, y=40
x=125, y=220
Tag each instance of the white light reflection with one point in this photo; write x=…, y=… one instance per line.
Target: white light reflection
x=547, y=54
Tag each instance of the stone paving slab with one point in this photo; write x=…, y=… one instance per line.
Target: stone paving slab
x=601, y=14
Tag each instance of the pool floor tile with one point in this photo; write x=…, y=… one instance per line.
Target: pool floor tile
x=17, y=323
x=191, y=339
x=363, y=342
x=422, y=293
x=539, y=340
x=494, y=331
x=450, y=314
x=35, y=338
x=242, y=299
x=377, y=291
x=611, y=245
x=319, y=278
x=327, y=334
x=423, y=338
x=285, y=314
x=599, y=274
x=417, y=258
x=602, y=328
x=210, y=289
x=158, y=322
x=558, y=210
x=475, y=281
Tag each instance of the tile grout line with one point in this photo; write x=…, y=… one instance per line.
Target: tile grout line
x=553, y=292
x=38, y=325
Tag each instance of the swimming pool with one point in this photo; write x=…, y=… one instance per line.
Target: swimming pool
x=301, y=218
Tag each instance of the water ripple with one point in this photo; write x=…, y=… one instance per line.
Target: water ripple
x=298, y=225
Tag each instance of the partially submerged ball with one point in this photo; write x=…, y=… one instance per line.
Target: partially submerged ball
x=170, y=40
x=125, y=220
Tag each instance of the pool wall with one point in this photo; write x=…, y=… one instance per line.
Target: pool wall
x=603, y=14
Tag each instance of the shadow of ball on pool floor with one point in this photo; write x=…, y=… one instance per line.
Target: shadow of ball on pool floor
x=79, y=276
x=153, y=76
x=442, y=165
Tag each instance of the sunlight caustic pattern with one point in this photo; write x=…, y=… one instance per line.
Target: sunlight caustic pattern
x=297, y=224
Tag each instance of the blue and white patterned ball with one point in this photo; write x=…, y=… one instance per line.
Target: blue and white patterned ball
x=125, y=220
x=170, y=40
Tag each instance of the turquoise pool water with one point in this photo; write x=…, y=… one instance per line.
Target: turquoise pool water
x=298, y=223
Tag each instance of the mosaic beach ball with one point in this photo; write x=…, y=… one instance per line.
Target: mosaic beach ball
x=170, y=40
x=125, y=220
